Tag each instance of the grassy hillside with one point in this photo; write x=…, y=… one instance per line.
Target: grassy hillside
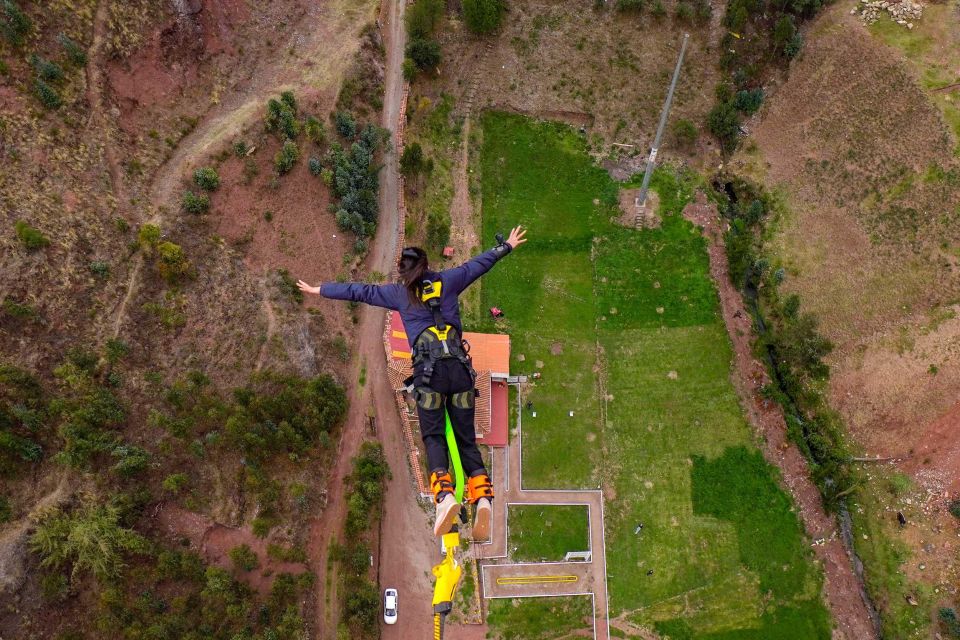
x=626, y=327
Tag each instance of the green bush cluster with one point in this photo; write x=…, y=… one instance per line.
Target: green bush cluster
x=355, y=183
x=423, y=18
x=207, y=178
x=314, y=165
x=483, y=16
x=345, y=124
x=413, y=162
x=15, y=25
x=180, y=597
x=949, y=621
x=282, y=116
x=195, y=203
x=364, y=501
x=244, y=558
x=23, y=412
x=759, y=34
x=87, y=540
x=685, y=133
x=75, y=53
x=46, y=70
x=31, y=237
x=288, y=286
x=172, y=262
x=790, y=343
x=286, y=158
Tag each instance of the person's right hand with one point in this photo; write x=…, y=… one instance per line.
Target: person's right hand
x=303, y=286
x=516, y=237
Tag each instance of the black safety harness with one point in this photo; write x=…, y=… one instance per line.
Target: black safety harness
x=440, y=341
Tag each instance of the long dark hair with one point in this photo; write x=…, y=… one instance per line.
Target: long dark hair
x=411, y=268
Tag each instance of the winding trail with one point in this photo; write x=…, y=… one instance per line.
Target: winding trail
x=327, y=38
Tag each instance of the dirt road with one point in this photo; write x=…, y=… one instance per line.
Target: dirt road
x=844, y=593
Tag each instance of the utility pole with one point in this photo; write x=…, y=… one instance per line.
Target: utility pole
x=642, y=198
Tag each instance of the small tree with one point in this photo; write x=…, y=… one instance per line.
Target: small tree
x=783, y=32
x=287, y=157
x=411, y=160
x=175, y=483
x=424, y=53
x=345, y=124
x=47, y=95
x=47, y=70
x=315, y=166
x=409, y=68
x=685, y=133
x=148, y=236
x=483, y=16
x=89, y=539
x=244, y=558
x=724, y=123
x=207, y=178
x=423, y=18
x=75, y=53
x=282, y=116
x=315, y=131
x=195, y=203
x=15, y=25
x=172, y=262
x=31, y=237
x=633, y=6
x=748, y=101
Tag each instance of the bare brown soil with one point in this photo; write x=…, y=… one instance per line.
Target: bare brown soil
x=842, y=589
x=638, y=218
x=849, y=140
x=214, y=542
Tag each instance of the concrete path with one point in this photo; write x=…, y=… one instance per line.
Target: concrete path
x=501, y=578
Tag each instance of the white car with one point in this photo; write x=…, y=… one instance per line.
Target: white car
x=390, y=606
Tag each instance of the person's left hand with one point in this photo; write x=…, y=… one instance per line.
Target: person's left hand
x=516, y=237
x=303, y=286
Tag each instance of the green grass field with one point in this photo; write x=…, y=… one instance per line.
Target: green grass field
x=624, y=327
x=547, y=532
x=539, y=618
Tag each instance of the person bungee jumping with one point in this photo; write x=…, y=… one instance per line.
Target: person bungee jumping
x=443, y=376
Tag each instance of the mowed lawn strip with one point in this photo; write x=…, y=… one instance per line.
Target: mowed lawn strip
x=540, y=618
x=545, y=533
x=721, y=553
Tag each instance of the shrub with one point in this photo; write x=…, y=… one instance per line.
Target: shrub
x=89, y=539
x=289, y=286
x=409, y=68
x=955, y=509
x=100, y=269
x=6, y=511
x=724, y=123
x=483, y=16
x=684, y=12
x=685, y=133
x=195, y=203
x=948, y=618
x=282, y=116
x=792, y=48
x=148, y=237
x=175, y=483
x=438, y=229
x=315, y=131
x=411, y=160
x=75, y=53
x=658, y=10
x=783, y=32
x=327, y=176
x=46, y=70
x=240, y=148
x=345, y=124
x=206, y=178
x=634, y=6
x=315, y=166
x=244, y=558
x=15, y=25
x=47, y=95
x=424, y=53
x=31, y=237
x=131, y=460
x=423, y=17
x=748, y=101
x=287, y=157
x=172, y=262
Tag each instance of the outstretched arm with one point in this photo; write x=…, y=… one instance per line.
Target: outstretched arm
x=463, y=276
x=388, y=296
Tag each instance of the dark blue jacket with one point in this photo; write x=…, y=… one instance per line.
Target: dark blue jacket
x=417, y=317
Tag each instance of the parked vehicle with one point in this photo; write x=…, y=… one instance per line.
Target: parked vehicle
x=390, y=606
